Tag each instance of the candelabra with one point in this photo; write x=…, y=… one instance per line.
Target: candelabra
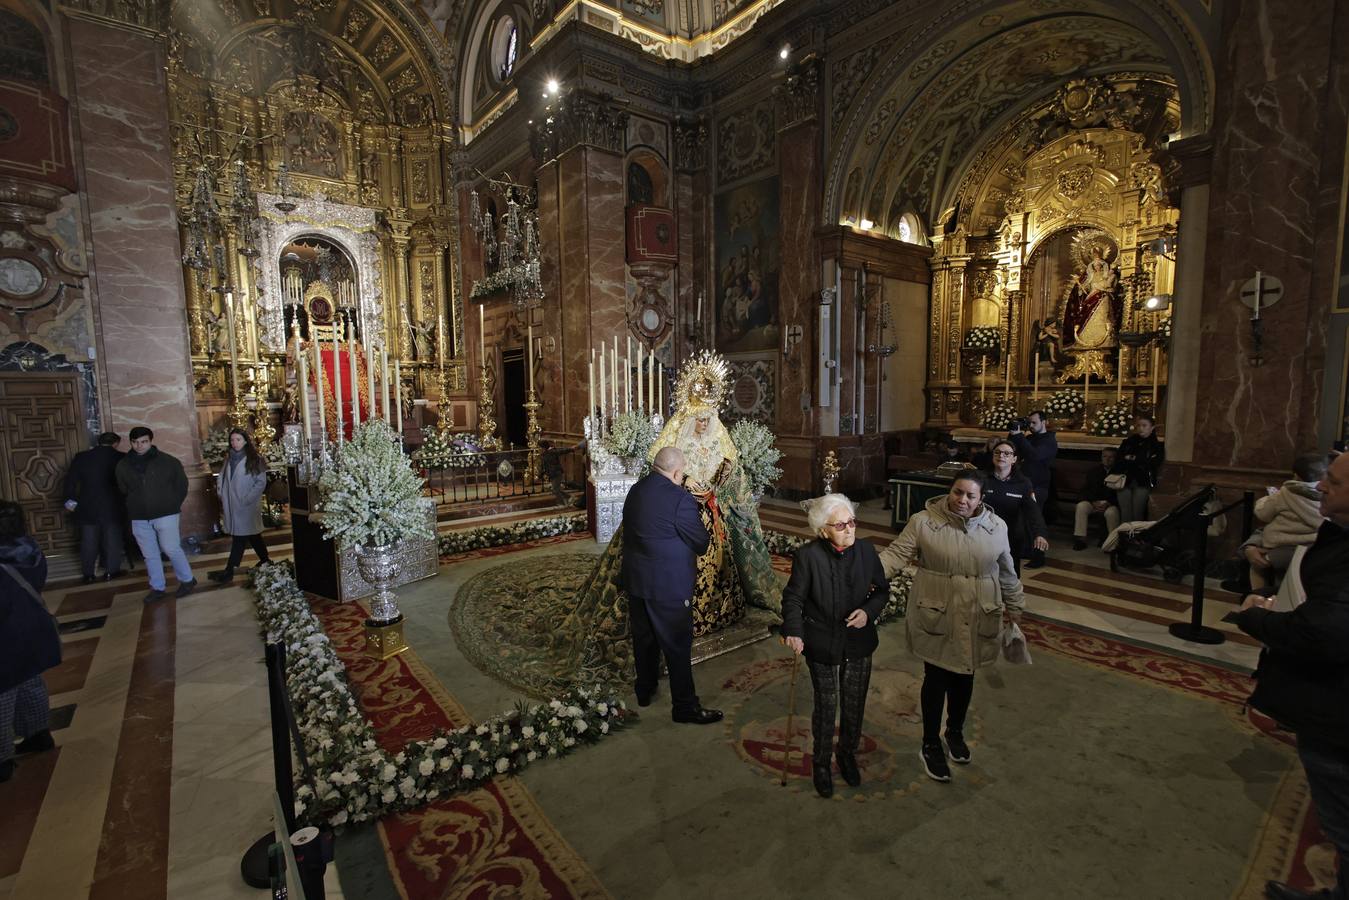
x=829, y=471
x=487, y=423
x=532, y=432
x=512, y=260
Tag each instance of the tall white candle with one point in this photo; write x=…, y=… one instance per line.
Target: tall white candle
x=604, y=386
x=1037, y=374
x=398, y=393
x=234, y=356
x=302, y=385
x=482, y=335
x=699, y=317
x=641, y=398
x=384, y=380
x=355, y=380
x=627, y=384
x=318, y=383
x=339, y=331
x=651, y=382
x=613, y=371
x=529, y=352
x=660, y=393
x=590, y=395
x=370, y=380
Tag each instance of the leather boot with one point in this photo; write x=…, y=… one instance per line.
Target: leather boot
x=824, y=781
x=847, y=767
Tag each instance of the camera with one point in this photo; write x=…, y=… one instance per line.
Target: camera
x=1021, y=424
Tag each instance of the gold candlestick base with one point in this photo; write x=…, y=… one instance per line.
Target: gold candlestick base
x=384, y=640
x=532, y=432
x=487, y=423
x=829, y=471
x=239, y=415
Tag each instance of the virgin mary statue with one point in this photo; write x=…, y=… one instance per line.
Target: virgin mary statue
x=735, y=572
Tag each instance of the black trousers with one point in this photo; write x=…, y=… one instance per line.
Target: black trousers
x=237, y=550
x=850, y=679
x=944, y=688
x=663, y=628
x=100, y=539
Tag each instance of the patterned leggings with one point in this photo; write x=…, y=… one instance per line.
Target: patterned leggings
x=854, y=675
x=24, y=711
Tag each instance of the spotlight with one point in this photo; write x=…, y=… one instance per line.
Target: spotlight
x=1157, y=302
x=785, y=52
x=552, y=85
x=867, y=224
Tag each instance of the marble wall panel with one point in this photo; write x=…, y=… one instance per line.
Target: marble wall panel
x=121, y=103
x=572, y=280
x=687, y=285
x=799, y=278
x=556, y=413
x=1267, y=194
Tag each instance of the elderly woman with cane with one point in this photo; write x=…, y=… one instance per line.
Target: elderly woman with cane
x=829, y=609
x=964, y=582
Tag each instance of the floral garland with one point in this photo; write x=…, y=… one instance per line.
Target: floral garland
x=492, y=284
x=754, y=444
x=999, y=416
x=354, y=779
x=503, y=535
x=1113, y=420
x=983, y=337
x=1065, y=404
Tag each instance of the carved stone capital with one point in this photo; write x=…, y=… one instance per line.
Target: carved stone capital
x=798, y=95
x=582, y=119
x=690, y=145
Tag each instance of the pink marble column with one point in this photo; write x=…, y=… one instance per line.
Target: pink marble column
x=1278, y=153
x=127, y=181
x=799, y=281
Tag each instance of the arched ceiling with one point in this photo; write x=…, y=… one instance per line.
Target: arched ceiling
x=386, y=60
x=939, y=96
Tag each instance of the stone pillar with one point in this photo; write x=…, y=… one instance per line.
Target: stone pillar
x=127, y=174
x=1185, y=351
x=1279, y=123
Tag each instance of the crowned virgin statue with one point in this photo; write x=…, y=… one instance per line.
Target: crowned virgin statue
x=735, y=572
x=1091, y=319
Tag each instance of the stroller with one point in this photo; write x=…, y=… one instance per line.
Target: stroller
x=1172, y=542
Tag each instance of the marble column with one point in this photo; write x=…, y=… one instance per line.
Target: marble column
x=799, y=277
x=1186, y=323
x=127, y=174
x=1279, y=123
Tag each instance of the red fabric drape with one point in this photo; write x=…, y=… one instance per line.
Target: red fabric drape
x=339, y=364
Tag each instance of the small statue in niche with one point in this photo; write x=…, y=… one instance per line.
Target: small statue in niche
x=1048, y=342
x=290, y=404
x=423, y=341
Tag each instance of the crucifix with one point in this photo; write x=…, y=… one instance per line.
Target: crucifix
x=1262, y=291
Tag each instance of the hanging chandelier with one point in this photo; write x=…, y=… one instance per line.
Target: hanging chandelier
x=510, y=244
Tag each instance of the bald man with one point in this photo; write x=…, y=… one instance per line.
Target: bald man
x=663, y=536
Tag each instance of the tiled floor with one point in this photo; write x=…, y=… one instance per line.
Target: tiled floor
x=164, y=769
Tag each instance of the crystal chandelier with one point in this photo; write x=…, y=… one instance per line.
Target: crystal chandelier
x=204, y=218
x=510, y=247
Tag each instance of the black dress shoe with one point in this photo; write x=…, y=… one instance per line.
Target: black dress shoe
x=39, y=742
x=644, y=697
x=88, y=579
x=222, y=576
x=1277, y=890
x=847, y=767
x=700, y=716
x=824, y=782
x=1079, y=543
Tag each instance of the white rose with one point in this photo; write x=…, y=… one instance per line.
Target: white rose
x=439, y=744
x=503, y=764
x=466, y=772
x=445, y=764
x=388, y=795
x=581, y=726
x=388, y=773
x=426, y=766
x=527, y=732
x=340, y=818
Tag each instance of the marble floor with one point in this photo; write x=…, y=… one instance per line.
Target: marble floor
x=163, y=770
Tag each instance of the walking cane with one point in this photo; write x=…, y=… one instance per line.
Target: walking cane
x=791, y=712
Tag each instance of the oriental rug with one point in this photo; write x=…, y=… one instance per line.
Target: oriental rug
x=490, y=842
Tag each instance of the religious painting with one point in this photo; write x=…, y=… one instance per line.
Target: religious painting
x=313, y=144
x=1074, y=305
x=746, y=277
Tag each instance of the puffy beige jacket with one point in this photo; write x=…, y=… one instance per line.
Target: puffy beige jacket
x=963, y=579
x=1292, y=516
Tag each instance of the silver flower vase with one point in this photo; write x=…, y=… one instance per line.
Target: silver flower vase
x=378, y=565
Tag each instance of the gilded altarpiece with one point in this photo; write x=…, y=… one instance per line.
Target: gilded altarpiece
x=1064, y=273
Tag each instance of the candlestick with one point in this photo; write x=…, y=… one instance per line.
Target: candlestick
x=1007, y=388
x=482, y=335
x=318, y=384
x=234, y=356
x=699, y=317
x=398, y=392
x=651, y=382
x=660, y=394
x=384, y=377
x=1119, y=376
x=302, y=383
x=529, y=352
x=440, y=339
x=370, y=380
x=337, y=374
x=355, y=382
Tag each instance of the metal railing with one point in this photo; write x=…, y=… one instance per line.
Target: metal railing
x=486, y=476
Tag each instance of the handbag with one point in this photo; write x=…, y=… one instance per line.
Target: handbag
x=1117, y=482
x=34, y=629
x=1014, y=646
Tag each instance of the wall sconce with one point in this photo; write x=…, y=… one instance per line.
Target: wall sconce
x=1260, y=292
x=1164, y=246
x=1157, y=302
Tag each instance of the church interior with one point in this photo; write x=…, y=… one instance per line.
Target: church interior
x=494, y=254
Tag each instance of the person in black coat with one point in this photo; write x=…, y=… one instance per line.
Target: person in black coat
x=1302, y=680
x=663, y=536
x=94, y=500
x=1012, y=496
x=29, y=643
x=1139, y=459
x=1036, y=450
x=829, y=609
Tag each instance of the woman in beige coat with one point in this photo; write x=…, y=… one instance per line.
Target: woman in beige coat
x=963, y=583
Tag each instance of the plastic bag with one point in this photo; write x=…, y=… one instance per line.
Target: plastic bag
x=1014, y=648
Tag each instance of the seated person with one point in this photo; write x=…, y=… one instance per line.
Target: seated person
x=983, y=460
x=1291, y=515
x=1097, y=500
x=949, y=450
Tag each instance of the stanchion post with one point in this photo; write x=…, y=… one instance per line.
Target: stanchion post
x=1195, y=631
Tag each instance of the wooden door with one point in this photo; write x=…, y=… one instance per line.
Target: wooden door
x=41, y=429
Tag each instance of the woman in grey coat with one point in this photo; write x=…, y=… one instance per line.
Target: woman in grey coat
x=240, y=485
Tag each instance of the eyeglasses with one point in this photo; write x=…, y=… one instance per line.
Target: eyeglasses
x=1004, y=453
x=843, y=526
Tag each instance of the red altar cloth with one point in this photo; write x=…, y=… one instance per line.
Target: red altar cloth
x=340, y=365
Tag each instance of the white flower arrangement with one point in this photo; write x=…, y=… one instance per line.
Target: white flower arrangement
x=504, y=535
x=354, y=779
x=999, y=416
x=983, y=337
x=372, y=495
x=1164, y=330
x=1114, y=420
x=630, y=435
x=1065, y=404
x=492, y=284
x=754, y=444
x=435, y=451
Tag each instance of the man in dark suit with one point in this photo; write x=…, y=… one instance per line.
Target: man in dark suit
x=95, y=502
x=663, y=536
